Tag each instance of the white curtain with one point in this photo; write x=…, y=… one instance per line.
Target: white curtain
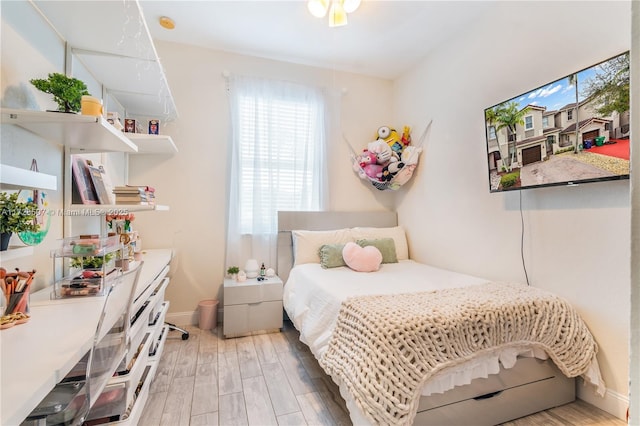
x=277, y=162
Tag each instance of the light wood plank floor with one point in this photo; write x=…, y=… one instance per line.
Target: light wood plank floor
x=272, y=379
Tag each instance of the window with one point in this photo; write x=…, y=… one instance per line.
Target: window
x=570, y=114
x=277, y=159
x=528, y=122
x=545, y=121
x=278, y=139
x=492, y=132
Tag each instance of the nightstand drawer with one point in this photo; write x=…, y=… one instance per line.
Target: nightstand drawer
x=242, y=293
x=245, y=318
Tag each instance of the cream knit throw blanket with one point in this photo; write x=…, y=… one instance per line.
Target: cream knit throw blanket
x=384, y=348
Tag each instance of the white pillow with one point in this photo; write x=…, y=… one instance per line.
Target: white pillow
x=396, y=232
x=306, y=244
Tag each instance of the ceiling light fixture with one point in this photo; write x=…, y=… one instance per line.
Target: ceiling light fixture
x=337, y=9
x=166, y=22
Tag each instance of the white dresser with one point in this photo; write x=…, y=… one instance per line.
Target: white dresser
x=252, y=305
x=124, y=398
x=37, y=355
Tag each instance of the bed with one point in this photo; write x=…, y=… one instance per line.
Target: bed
x=394, y=364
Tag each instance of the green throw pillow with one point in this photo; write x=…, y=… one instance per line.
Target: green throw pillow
x=331, y=256
x=386, y=246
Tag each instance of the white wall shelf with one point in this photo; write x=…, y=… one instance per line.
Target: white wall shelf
x=82, y=132
x=17, y=178
x=153, y=144
x=15, y=252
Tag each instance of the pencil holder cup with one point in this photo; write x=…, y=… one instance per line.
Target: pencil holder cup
x=18, y=302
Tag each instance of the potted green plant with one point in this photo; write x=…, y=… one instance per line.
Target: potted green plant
x=67, y=91
x=91, y=262
x=232, y=271
x=17, y=216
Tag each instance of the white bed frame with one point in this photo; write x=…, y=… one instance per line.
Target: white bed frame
x=532, y=385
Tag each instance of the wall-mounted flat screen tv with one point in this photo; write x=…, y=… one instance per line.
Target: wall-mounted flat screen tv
x=571, y=131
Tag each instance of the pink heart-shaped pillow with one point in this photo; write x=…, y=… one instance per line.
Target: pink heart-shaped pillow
x=361, y=259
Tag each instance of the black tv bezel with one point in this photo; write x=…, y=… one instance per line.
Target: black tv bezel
x=546, y=185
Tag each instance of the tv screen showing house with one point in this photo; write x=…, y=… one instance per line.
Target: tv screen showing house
x=571, y=131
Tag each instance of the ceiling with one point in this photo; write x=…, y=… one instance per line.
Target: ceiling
x=383, y=38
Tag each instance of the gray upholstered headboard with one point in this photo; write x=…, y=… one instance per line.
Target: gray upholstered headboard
x=322, y=221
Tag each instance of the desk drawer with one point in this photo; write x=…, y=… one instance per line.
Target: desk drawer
x=155, y=326
x=138, y=330
x=156, y=351
x=130, y=374
x=144, y=290
x=156, y=299
x=114, y=410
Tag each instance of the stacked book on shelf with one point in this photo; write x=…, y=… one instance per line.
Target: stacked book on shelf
x=133, y=194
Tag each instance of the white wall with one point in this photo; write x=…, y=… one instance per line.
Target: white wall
x=30, y=50
x=194, y=181
x=634, y=358
x=576, y=240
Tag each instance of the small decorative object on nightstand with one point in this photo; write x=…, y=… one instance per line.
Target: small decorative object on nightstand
x=232, y=271
x=252, y=305
x=251, y=268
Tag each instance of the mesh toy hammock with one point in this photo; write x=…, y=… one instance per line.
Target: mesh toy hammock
x=408, y=164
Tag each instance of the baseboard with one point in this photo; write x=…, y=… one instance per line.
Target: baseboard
x=182, y=318
x=188, y=317
x=612, y=402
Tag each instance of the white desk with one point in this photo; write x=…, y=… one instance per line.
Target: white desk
x=38, y=354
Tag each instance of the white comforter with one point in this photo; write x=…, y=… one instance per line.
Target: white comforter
x=313, y=296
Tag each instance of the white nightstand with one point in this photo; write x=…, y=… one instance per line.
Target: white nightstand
x=252, y=305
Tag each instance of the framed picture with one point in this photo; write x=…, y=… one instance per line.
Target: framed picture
x=154, y=127
x=129, y=125
x=83, y=191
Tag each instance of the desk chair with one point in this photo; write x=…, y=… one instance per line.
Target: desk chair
x=69, y=401
x=185, y=333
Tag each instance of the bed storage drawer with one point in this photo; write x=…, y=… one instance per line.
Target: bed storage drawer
x=526, y=370
x=533, y=385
